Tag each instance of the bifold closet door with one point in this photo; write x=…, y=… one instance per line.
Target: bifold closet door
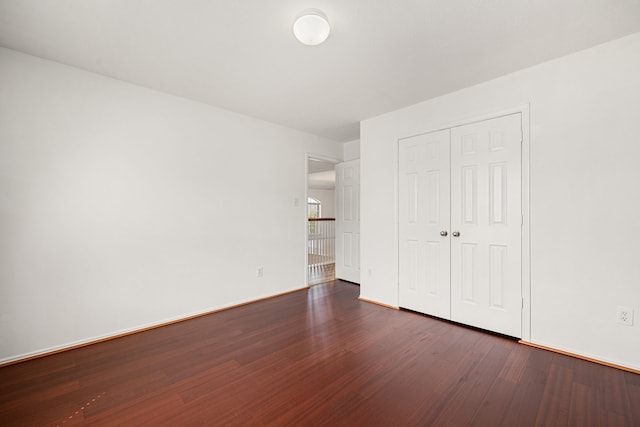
x=486, y=225
x=424, y=245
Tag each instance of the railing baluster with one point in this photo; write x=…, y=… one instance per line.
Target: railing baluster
x=321, y=241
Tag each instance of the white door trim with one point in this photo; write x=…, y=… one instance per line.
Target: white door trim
x=526, y=222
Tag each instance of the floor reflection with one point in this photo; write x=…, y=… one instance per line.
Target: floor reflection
x=317, y=274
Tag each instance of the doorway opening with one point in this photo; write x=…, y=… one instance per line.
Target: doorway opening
x=321, y=204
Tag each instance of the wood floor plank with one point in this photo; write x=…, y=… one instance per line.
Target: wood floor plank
x=614, y=397
x=472, y=389
x=529, y=392
x=315, y=357
x=554, y=408
x=515, y=365
x=584, y=404
x=634, y=396
x=493, y=410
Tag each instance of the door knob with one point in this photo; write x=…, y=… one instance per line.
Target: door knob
x=456, y=234
x=444, y=233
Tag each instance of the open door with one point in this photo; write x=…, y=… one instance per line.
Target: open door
x=348, y=221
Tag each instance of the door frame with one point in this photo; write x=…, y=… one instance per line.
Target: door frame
x=524, y=110
x=310, y=156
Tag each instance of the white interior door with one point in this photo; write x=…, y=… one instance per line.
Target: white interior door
x=424, y=213
x=486, y=224
x=467, y=182
x=348, y=221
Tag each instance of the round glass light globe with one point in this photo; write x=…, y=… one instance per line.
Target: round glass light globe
x=311, y=27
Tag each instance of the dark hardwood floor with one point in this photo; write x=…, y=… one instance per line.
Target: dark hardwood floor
x=315, y=357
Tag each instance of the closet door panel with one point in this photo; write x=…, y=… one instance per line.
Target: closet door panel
x=486, y=224
x=424, y=213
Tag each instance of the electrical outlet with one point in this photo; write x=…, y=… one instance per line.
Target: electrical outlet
x=259, y=272
x=625, y=316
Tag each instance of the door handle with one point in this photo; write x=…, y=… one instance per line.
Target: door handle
x=456, y=234
x=444, y=233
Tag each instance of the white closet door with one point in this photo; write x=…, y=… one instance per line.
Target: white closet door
x=424, y=282
x=348, y=221
x=486, y=224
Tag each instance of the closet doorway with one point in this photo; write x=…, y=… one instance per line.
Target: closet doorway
x=461, y=224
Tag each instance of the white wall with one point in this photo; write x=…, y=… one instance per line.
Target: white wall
x=122, y=207
x=351, y=150
x=585, y=199
x=327, y=201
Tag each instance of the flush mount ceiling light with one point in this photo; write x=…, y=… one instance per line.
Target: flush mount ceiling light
x=311, y=27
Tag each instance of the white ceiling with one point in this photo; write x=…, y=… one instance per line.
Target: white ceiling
x=317, y=165
x=322, y=174
x=322, y=180
x=241, y=55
